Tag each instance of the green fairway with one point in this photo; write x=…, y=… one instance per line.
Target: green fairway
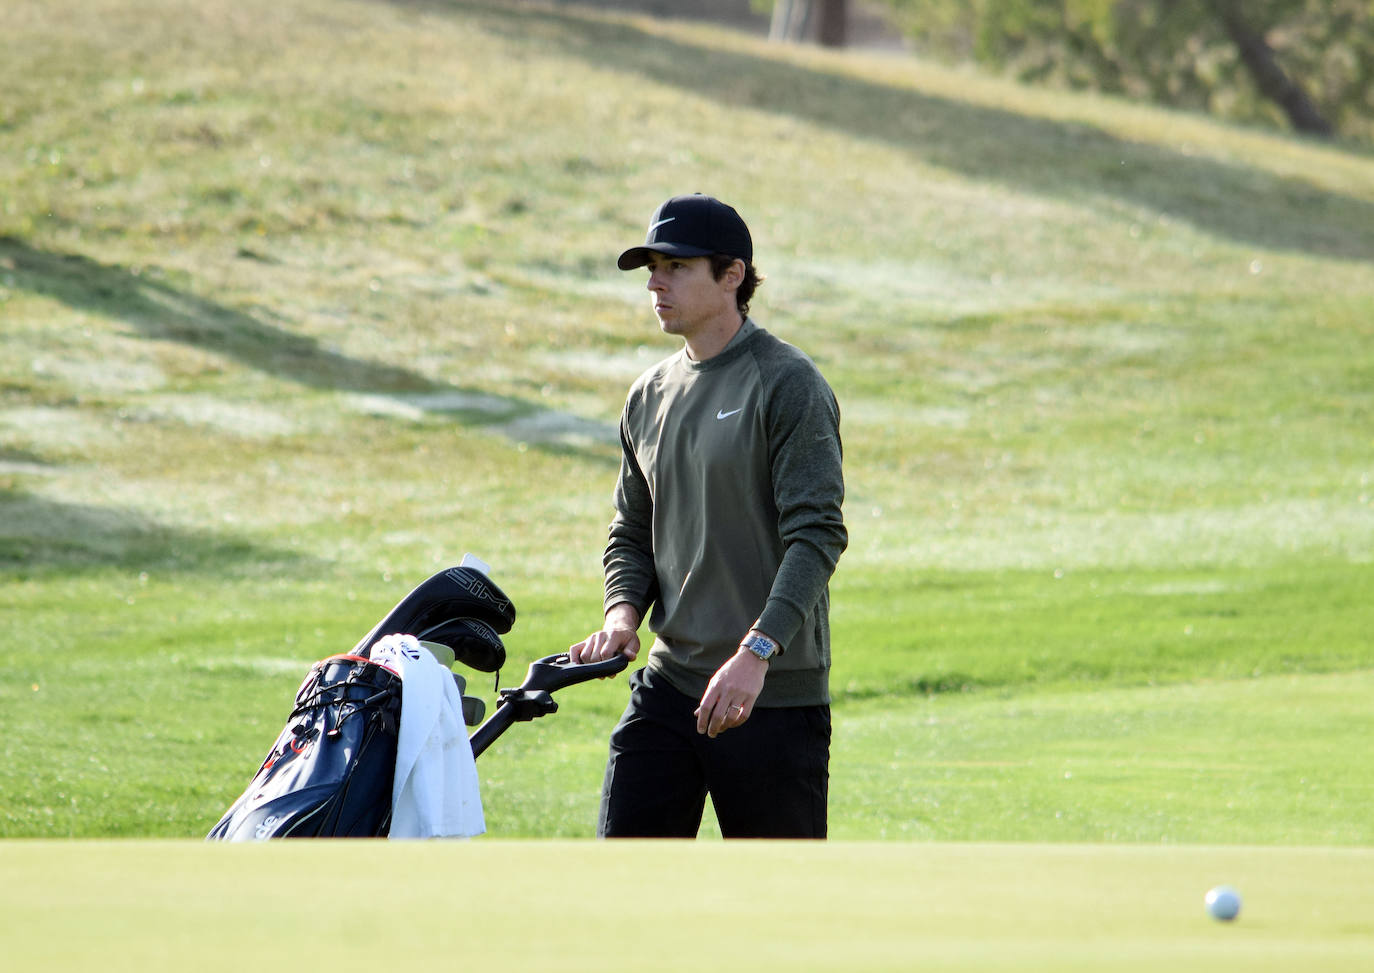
x=590, y=906
x=1282, y=760
x=300, y=302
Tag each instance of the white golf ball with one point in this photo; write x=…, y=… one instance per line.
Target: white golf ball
x=1223, y=902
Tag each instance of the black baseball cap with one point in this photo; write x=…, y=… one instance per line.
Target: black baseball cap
x=692, y=226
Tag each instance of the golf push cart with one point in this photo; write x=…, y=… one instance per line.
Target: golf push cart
x=331, y=770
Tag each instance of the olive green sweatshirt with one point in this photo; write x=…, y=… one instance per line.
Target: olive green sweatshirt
x=727, y=513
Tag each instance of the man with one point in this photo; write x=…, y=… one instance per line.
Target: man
x=728, y=524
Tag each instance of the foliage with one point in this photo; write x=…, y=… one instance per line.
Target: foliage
x=1168, y=51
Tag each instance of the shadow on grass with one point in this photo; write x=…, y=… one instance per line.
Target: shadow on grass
x=162, y=312
x=1053, y=158
x=38, y=535
x=917, y=687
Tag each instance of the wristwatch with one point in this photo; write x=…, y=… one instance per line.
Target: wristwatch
x=761, y=645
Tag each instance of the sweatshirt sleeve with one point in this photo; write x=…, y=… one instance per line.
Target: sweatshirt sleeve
x=628, y=560
x=808, y=488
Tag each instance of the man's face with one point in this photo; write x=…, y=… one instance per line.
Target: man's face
x=686, y=297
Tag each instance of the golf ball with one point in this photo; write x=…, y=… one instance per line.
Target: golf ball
x=1223, y=902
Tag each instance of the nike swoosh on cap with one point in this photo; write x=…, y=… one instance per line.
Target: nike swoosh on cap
x=655, y=226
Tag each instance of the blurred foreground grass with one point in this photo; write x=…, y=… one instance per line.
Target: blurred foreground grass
x=300, y=302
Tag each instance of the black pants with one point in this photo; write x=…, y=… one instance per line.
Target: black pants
x=768, y=778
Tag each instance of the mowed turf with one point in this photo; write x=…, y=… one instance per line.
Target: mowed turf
x=1283, y=760
x=554, y=906
x=298, y=302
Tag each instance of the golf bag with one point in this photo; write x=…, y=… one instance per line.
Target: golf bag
x=330, y=772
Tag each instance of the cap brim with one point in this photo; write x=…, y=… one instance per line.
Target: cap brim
x=639, y=256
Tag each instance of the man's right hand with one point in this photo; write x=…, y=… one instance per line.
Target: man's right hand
x=620, y=634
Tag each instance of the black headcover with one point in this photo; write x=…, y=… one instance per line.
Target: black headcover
x=329, y=774
x=459, y=607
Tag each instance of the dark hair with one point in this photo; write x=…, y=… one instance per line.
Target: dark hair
x=720, y=263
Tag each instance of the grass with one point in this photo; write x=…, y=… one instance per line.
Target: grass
x=300, y=302
x=560, y=905
x=1276, y=760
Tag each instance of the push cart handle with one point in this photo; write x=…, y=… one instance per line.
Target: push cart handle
x=555, y=672
x=533, y=697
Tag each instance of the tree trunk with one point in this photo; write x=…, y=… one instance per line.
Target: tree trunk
x=1272, y=80
x=834, y=25
x=825, y=21
x=790, y=20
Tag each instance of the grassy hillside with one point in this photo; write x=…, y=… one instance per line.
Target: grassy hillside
x=301, y=301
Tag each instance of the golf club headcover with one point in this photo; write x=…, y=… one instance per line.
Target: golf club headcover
x=474, y=643
x=459, y=607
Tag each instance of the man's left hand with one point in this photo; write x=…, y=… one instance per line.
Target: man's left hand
x=730, y=696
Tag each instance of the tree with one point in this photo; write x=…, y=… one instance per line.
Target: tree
x=826, y=21
x=1305, y=63
x=1269, y=76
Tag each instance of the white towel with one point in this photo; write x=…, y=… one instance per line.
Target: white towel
x=435, y=793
